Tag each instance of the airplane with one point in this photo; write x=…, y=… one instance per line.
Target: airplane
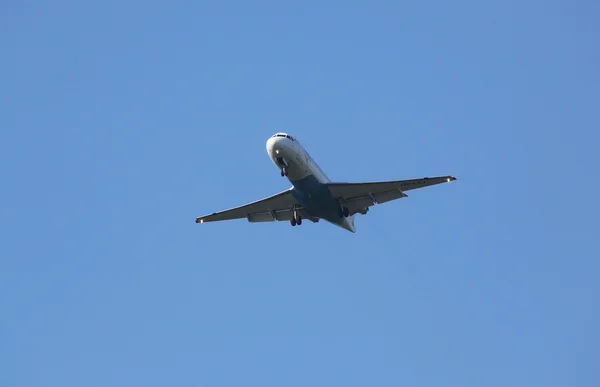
x=313, y=196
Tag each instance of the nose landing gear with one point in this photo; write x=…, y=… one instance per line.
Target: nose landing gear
x=284, y=166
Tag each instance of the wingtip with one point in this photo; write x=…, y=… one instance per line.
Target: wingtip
x=451, y=178
x=198, y=220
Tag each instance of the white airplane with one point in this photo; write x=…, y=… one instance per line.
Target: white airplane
x=312, y=195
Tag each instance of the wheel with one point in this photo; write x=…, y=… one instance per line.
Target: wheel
x=299, y=221
x=282, y=173
x=285, y=172
x=293, y=221
x=345, y=212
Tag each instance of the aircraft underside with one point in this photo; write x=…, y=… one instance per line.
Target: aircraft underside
x=318, y=202
x=313, y=196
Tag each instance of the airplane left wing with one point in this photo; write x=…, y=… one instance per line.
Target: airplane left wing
x=359, y=196
x=273, y=208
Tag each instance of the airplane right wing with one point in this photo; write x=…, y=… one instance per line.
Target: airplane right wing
x=273, y=208
x=359, y=196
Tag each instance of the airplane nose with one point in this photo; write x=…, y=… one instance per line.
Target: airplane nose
x=270, y=145
x=274, y=145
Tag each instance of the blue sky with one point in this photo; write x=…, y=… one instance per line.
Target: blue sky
x=123, y=121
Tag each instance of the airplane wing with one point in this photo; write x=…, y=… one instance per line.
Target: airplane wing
x=359, y=196
x=273, y=208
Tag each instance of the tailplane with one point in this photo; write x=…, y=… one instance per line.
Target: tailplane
x=351, y=225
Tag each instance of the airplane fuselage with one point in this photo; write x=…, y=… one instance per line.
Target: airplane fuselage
x=308, y=180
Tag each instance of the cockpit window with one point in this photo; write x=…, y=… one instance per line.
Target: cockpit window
x=284, y=135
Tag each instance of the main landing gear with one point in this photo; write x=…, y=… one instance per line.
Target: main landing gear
x=296, y=219
x=344, y=212
x=284, y=171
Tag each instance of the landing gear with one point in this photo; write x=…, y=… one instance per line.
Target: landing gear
x=283, y=165
x=344, y=212
x=296, y=219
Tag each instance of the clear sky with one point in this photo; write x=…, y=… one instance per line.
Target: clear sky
x=122, y=121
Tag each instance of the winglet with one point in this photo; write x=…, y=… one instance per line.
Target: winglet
x=199, y=220
x=451, y=178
